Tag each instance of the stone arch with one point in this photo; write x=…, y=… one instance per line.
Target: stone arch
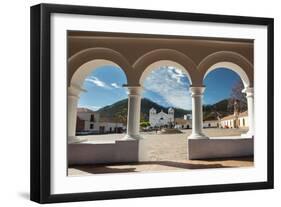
x=83, y=62
x=160, y=57
x=231, y=60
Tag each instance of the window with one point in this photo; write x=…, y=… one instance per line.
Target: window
x=91, y=126
x=92, y=119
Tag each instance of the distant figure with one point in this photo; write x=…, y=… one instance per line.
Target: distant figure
x=236, y=106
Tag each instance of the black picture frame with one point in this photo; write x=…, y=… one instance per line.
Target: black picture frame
x=41, y=96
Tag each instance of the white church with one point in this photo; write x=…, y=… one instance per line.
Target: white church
x=161, y=118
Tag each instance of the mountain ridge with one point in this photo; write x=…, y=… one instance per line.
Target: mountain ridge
x=118, y=111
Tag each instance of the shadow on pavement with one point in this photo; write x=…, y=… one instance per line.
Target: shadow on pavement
x=133, y=167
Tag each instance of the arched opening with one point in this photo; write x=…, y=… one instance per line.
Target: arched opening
x=165, y=110
x=231, y=60
x=81, y=63
x=78, y=77
x=161, y=57
x=97, y=101
x=162, y=64
x=224, y=101
x=233, y=67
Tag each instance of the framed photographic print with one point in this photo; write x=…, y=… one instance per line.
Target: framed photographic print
x=133, y=103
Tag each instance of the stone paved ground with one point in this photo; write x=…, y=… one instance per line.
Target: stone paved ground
x=164, y=152
x=158, y=166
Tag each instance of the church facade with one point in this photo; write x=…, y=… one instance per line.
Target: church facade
x=161, y=119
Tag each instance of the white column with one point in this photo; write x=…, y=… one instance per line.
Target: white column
x=250, y=103
x=72, y=102
x=133, y=116
x=197, y=115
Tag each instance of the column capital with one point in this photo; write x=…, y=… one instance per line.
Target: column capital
x=196, y=90
x=74, y=91
x=134, y=90
x=249, y=91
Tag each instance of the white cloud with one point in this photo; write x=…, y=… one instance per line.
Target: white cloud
x=94, y=80
x=115, y=85
x=172, y=84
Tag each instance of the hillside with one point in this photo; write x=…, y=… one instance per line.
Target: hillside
x=118, y=110
x=220, y=109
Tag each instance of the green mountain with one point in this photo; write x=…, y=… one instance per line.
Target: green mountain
x=221, y=109
x=118, y=111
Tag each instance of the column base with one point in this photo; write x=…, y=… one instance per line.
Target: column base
x=131, y=137
x=73, y=140
x=198, y=136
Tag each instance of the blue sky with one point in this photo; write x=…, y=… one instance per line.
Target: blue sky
x=104, y=87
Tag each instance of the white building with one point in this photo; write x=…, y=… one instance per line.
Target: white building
x=183, y=123
x=161, y=118
x=88, y=121
x=211, y=123
x=187, y=117
x=235, y=121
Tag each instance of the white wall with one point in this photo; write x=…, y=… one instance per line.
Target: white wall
x=14, y=84
x=86, y=116
x=106, y=126
x=245, y=120
x=210, y=124
x=230, y=122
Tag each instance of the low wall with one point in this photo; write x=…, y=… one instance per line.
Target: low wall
x=219, y=148
x=95, y=153
x=135, y=150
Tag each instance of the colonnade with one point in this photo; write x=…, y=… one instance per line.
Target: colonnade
x=134, y=110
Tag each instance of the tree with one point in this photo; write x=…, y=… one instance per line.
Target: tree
x=121, y=116
x=238, y=96
x=144, y=124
